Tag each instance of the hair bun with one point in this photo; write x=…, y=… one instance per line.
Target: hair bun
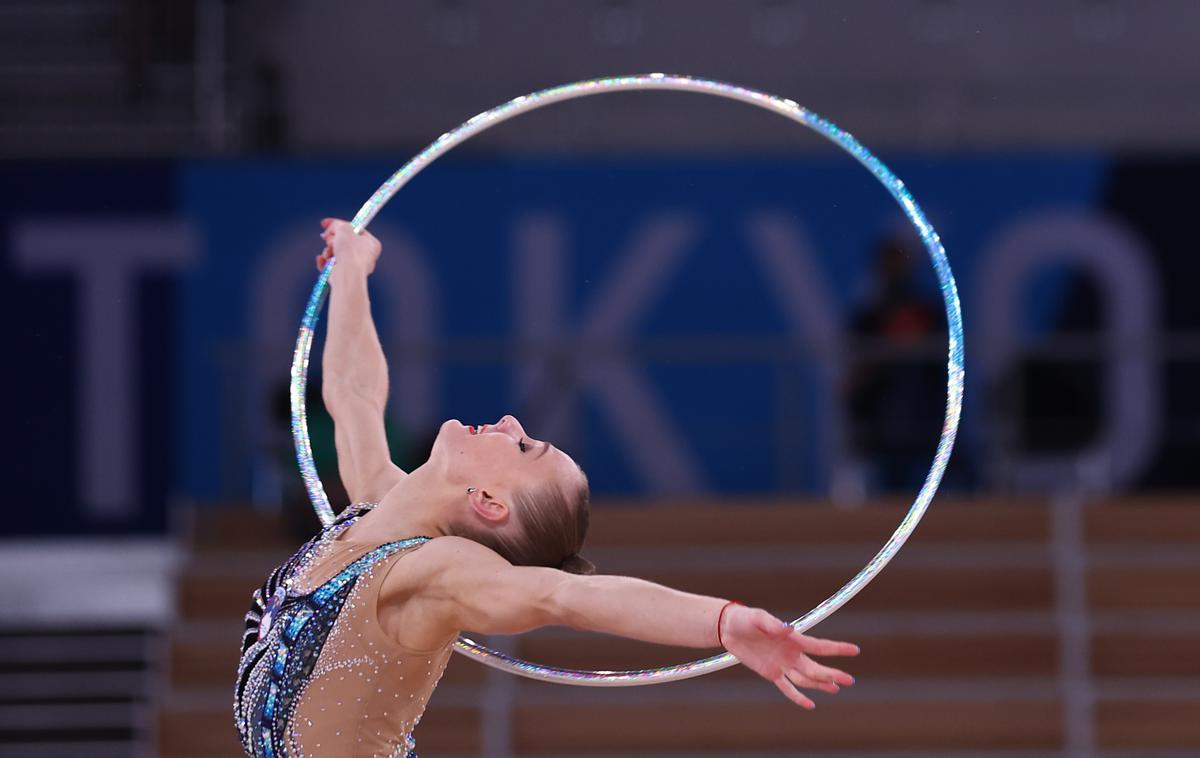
x=577, y=564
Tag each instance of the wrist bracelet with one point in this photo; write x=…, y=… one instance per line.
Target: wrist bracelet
x=721, y=616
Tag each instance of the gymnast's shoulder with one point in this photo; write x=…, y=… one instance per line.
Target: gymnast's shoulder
x=456, y=550
x=441, y=560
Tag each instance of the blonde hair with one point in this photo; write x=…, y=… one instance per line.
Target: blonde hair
x=552, y=525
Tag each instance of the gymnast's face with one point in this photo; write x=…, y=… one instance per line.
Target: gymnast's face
x=498, y=460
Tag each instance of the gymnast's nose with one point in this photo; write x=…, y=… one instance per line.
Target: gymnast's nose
x=507, y=423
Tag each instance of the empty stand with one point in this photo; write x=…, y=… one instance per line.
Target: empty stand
x=76, y=691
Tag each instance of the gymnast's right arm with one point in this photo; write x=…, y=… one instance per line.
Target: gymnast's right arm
x=355, y=375
x=476, y=590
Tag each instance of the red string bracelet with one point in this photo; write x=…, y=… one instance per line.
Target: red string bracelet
x=720, y=616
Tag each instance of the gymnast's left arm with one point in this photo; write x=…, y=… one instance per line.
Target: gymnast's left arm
x=473, y=589
x=355, y=387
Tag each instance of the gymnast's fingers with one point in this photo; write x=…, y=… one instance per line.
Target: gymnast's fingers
x=816, y=671
x=800, y=679
x=818, y=646
x=787, y=688
x=821, y=673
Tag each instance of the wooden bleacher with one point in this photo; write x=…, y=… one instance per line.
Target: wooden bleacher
x=961, y=635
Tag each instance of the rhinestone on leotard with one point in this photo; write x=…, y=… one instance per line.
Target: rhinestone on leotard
x=322, y=636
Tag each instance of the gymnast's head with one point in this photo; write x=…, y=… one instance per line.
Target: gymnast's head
x=522, y=497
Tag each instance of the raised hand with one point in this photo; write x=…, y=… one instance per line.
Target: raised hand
x=778, y=653
x=357, y=250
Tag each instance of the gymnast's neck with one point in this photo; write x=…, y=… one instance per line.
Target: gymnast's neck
x=420, y=504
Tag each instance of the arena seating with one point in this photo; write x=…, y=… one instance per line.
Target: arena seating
x=76, y=690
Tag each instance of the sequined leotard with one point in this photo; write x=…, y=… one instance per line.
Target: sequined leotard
x=318, y=676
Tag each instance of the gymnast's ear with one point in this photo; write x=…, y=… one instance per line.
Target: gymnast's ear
x=488, y=508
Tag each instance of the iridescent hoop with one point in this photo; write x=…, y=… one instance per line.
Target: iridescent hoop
x=786, y=108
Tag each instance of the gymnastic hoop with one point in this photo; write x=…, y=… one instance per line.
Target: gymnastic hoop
x=786, y=108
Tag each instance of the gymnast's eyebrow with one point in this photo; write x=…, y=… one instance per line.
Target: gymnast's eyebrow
x=545, y=446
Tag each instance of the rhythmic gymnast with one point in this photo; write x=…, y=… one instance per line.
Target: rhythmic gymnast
x=347, y=639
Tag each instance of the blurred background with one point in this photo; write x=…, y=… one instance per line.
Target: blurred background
x=723, y=318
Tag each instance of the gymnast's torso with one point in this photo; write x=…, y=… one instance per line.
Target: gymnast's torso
x=319, y=675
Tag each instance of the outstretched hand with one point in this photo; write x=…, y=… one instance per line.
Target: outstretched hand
x=360, y=250
x=778, y=653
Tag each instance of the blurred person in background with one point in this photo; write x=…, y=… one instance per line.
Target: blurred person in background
x=345, y=642
x=896, y=388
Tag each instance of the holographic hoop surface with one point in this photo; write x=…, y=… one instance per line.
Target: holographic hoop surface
x=785, y=108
